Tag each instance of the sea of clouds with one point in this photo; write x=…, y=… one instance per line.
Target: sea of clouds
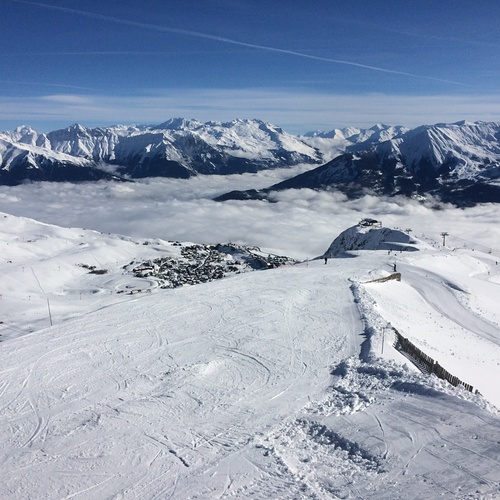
x=298, y=223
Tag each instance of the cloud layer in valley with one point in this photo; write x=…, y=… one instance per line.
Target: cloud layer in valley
x=300, y=223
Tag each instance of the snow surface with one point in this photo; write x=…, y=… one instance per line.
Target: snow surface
x=269, y=384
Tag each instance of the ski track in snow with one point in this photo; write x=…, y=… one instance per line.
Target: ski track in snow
x=439, y=295
x=264, y=385
x=216, y=362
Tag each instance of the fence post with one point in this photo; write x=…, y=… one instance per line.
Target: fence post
x=50, y=315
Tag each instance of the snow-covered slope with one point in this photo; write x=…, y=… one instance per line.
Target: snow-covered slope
x=70, y=271
x=176, y=148
x=28, y=158
x=280, y=383
x=370, y=236
x=465, y=149
x=458, y=163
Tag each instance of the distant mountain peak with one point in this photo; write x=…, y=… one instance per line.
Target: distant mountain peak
x=25, y=129
x=178, y=124
x=457, y=163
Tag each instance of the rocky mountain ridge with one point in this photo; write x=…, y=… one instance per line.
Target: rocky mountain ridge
x=457, y=163
x=176, y=148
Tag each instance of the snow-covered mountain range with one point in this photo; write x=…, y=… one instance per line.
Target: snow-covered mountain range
x=457, y=163
x=261, y=381
x=177, y=148
x=340, y=140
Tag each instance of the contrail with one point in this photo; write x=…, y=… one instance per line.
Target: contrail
x=57, y=85
x=105, y=53
x=207, y=36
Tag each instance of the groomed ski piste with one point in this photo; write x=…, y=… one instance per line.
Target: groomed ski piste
x=277, y=383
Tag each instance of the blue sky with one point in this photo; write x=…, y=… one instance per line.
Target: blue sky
x=301, y=65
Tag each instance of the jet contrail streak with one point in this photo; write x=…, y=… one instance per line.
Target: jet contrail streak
x=232, y=42
x=57, y=85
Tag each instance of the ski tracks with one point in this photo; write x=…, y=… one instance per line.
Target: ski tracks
x=441, y=298
x=33, y=393
x=388, y=445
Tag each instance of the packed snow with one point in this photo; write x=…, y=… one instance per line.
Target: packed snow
x=276, y=383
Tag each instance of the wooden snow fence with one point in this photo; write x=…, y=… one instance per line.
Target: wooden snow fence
x=393, y=276
x=426, y=363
